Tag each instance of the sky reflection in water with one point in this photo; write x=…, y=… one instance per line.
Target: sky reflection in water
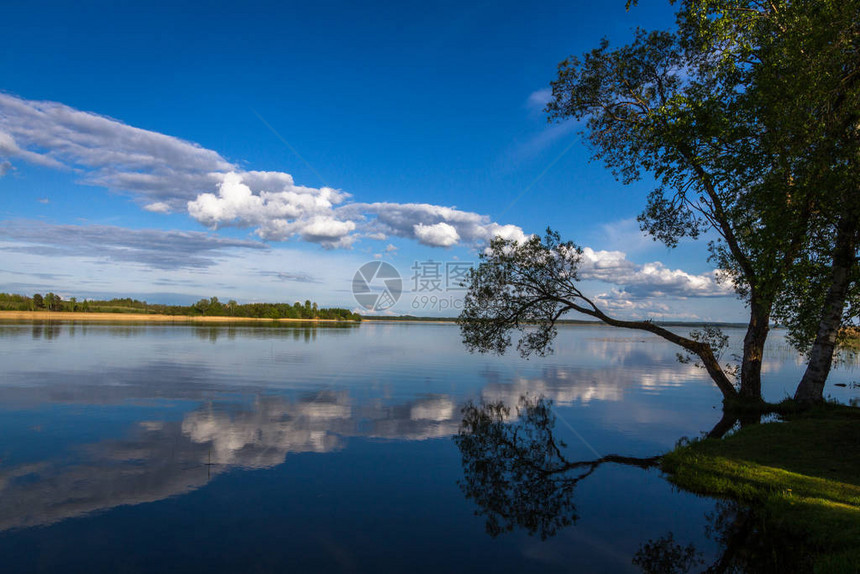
x=96, y=420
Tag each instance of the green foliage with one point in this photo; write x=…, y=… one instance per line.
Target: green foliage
x=11, y=302
x=520, y=287
x=659, y=106
x=718, y=341
x=801, y=60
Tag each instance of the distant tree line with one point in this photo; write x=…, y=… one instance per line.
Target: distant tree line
x=212, y=307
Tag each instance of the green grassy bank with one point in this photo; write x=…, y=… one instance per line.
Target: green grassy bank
x=802, y=474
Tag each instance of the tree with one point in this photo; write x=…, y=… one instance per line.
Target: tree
x=661, y=105
x=53, y=302
x=529, y=286
x=215, y=307
x=38, y=301
x=800, y=60
x=817, y=59
x=201, y=307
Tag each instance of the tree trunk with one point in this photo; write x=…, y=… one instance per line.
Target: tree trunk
x=811, y=386
x=750, y=388
x=701, y=350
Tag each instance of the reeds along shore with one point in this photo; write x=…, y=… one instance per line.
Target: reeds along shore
x=142, y=317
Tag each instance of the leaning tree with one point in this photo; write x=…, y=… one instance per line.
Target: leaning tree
x=529, y=286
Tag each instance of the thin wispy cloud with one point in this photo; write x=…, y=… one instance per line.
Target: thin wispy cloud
x=295, y=276
x=151, y=166
x=533, y=144
x=624, y=234
x=538, y=99
x=151, y=247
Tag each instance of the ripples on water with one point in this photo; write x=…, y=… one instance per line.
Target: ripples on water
x=232, y=448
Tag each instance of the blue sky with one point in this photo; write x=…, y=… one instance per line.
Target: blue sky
x=264, y=152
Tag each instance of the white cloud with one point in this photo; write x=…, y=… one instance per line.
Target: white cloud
x=166, y=174
x=538, y=99
x=153, y=248
x=7, y=145
x=421, y=222
x=282, y=211
x=437, y=235
x=152, y=166
x=176, y=267
x=624, y=234
x=652, y=279
x=157, y=207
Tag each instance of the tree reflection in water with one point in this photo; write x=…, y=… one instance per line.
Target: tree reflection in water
x=516, y=473
x=749, y=543
x=514, y=468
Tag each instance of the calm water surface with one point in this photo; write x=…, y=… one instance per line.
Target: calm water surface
x=147, y=448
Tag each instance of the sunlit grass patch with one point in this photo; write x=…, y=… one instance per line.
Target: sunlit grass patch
x=803, y=472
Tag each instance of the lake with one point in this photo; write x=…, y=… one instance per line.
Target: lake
x=307, y=448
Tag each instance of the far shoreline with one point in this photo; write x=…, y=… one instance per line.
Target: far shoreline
x=95, y=317
x=147, y=318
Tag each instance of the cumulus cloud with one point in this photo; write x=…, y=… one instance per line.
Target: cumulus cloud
x=421, y=222
x=439, y=234
x=166, y=173
x=652, y=279
x=279, y=212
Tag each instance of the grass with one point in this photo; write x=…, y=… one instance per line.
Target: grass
x=804, y=473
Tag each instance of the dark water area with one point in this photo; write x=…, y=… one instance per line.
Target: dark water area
x=148, y=448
